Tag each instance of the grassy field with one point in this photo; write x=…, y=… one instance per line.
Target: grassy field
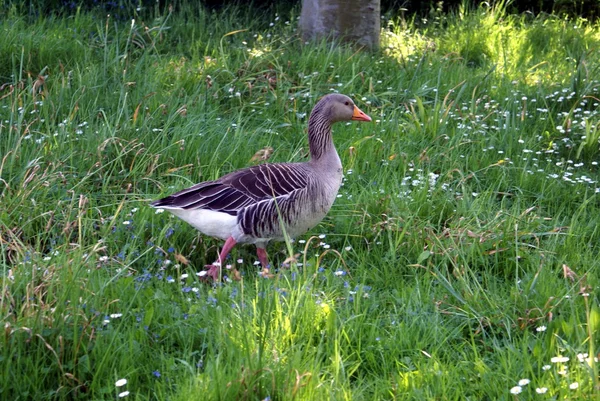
x=460, y=261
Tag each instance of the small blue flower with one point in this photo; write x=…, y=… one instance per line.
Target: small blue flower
x=171, y=249
x=169, y=232
x=186, y=289
x=156, y=373
x=145, y=276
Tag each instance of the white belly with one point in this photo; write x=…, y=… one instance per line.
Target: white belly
x=214, y=224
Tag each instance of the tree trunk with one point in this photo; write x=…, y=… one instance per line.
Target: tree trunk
x=353, y=21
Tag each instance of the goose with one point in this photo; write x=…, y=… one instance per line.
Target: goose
x=269, y=201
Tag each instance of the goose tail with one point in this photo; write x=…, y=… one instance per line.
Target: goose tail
x=165, y=203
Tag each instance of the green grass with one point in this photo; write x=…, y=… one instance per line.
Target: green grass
x=460, y=257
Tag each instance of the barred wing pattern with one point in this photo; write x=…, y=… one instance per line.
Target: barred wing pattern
x=240, y=189
x=299, y=211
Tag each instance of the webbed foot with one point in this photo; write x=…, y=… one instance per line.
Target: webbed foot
x=210, y=271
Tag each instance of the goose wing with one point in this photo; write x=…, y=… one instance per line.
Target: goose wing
x=240, y=189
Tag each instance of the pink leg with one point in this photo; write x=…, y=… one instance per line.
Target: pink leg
x=263, y=257
x=264, y=261
x=214, y=270
x=227, y=247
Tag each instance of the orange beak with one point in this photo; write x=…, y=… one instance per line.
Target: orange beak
x=359, y=115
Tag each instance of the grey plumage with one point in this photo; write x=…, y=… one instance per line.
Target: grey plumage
x=248, y=205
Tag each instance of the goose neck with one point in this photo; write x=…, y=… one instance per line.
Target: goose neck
x=320, y=141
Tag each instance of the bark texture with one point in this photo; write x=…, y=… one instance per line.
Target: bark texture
x=353, y=21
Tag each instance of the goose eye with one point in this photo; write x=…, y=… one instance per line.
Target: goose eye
x=347, y=103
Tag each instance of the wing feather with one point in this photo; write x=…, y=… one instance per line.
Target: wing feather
x=240, y=189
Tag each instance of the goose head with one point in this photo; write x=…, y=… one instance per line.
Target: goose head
x=337, y=107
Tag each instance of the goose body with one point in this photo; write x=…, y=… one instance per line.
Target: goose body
x=243, y=204
x=265, y=202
